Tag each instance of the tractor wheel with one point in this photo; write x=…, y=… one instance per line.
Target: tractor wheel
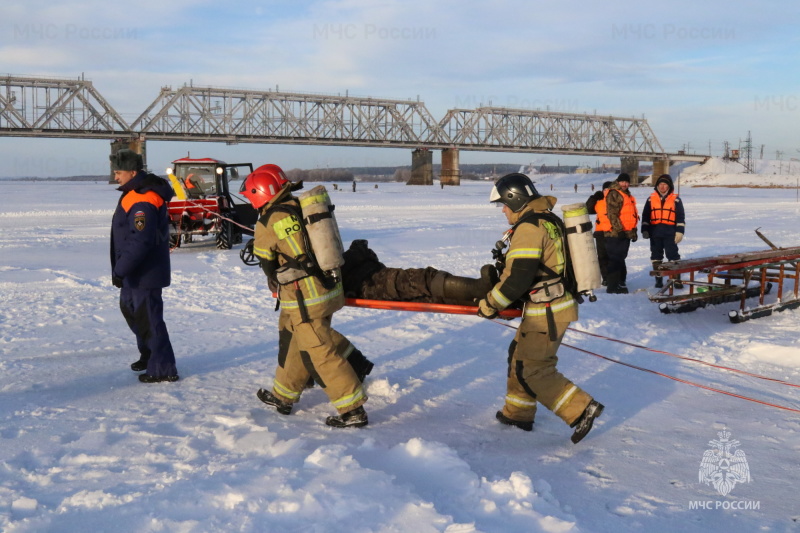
x=187, y=238
x=225, y=236
x=174, y=241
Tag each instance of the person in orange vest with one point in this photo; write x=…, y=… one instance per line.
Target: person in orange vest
x=596, y=205
x=663, y=222
x=618, y=225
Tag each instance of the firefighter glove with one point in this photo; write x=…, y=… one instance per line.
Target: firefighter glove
x=678, y=237
x=116, y=281
x=485, y=310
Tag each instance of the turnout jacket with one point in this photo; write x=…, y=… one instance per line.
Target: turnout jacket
x=279, y=241
x=140, y=233
x=535, y=253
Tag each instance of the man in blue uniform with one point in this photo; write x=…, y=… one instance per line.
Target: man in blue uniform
x=140, y=263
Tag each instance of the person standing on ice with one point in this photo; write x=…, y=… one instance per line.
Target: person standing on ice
x=535, y=263
x=140, y=265
x=308, y=346
x=663, y=222
x=619, y=226
x=596, y=205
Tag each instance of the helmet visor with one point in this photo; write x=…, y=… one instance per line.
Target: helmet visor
x=494, y=196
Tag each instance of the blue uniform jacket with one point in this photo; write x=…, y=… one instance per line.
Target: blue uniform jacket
x=140, y=233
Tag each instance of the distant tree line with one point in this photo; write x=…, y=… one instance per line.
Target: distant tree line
x=320, y=174
x=345, y=174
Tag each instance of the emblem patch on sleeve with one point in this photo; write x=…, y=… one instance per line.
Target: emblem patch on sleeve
x=138, y=220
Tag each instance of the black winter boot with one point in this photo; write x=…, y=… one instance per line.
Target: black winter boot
x=614, y=284
x=463, y=291
x=677, y=283
x=659, y=279
x=352, y=419
x=361, y=365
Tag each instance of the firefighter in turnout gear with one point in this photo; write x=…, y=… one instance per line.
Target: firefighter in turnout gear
x=308, y=346
x=535, y=272
x=663, y=222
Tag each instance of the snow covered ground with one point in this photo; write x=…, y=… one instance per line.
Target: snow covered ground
x=85, y=447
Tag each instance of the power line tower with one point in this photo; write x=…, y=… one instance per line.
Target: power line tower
x=748, y=154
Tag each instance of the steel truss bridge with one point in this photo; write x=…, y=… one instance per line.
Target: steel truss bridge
x=73, y=108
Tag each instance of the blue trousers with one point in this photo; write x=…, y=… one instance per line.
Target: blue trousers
x=143, y=310
x=661, y=243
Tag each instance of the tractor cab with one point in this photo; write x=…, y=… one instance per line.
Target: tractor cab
x=204, y=201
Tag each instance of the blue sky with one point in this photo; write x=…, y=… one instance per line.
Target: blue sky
x=700, y=72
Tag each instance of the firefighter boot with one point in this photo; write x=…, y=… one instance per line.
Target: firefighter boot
x=270, y=399
x=659, y=279
x=503, y=419
x=463, y=291
x=584, y=422
x=352, y=419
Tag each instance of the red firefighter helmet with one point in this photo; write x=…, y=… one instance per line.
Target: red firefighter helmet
x=263, y=184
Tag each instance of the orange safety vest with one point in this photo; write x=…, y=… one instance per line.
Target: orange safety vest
x=188, y=183
x=662, y=213
x=628, y=215
x=601, y=211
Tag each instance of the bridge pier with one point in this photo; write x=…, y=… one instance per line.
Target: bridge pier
x=137, y=145
x=421, y=167
x=660, y=167
x=630, y=166
x=450, y=174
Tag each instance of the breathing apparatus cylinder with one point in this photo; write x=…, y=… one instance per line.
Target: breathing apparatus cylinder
x=323, y=231
x=581, y=248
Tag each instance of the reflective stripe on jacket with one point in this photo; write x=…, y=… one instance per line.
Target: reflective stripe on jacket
x=279, y=237
x=535, y=253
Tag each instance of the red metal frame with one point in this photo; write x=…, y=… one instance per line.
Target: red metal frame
x=768, y=267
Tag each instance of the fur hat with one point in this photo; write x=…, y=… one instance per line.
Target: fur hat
x=624, y=177
x=606, y=185
x=126, y=160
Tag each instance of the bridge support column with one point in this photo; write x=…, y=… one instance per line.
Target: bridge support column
x=450, y=174
x=660, y=167
x=630, y=166
x=137, y=145
x=421, y=167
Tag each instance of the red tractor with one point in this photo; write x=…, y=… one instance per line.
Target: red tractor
x=204, y=204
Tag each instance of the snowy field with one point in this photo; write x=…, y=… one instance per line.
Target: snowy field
x=85, y=447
